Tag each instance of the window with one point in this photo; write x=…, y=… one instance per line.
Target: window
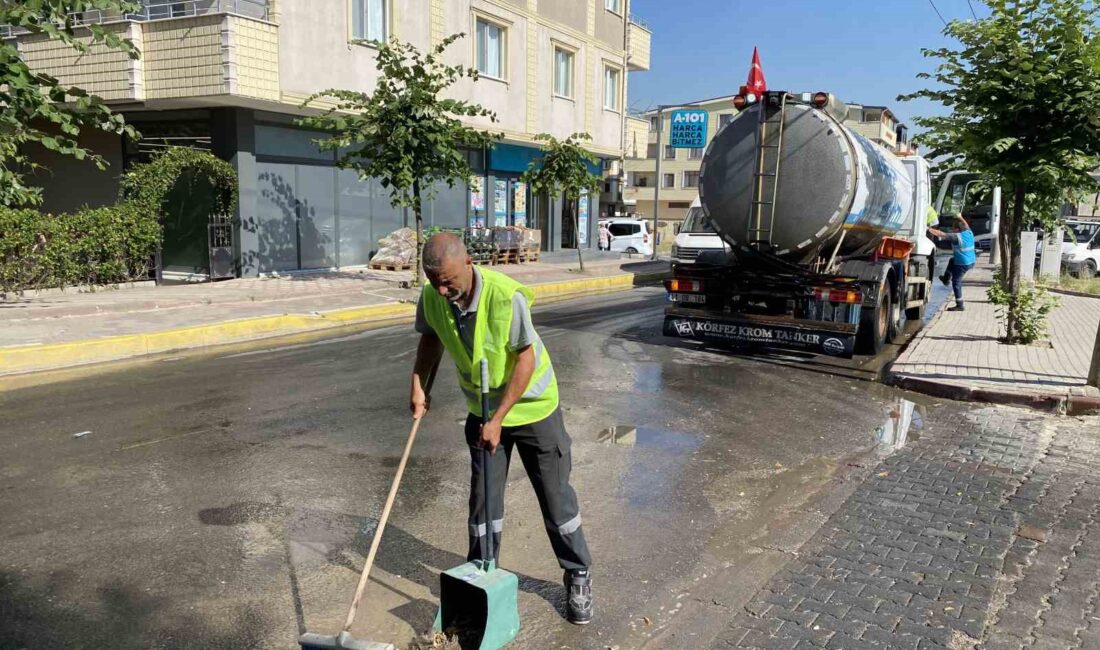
x=651, y=150
x=724, y=119
x=697, y=222
x=679, y=205
x=653, y=123
x=691, y=179
x=368, y=20
x=490, y=49
x=640, y=180
x=872, y=115
x=624, y=229
x=670, y=180
x=563, y=73
x=670, y=152
x=695, y=154
x=614, y=5
x=611, y=88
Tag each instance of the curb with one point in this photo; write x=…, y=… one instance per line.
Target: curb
x=1056, y=404
x=37, y=358
x=1064, y=404
x=1070, y=292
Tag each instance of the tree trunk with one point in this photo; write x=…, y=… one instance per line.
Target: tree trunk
x=1012, y=259
x=1094, y=371
x=417, y=267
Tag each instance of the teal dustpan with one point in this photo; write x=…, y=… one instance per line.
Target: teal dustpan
x=479, y=602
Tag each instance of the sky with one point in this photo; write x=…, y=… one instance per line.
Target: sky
x=864, y=51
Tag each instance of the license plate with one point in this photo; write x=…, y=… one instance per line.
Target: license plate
x=687, y=297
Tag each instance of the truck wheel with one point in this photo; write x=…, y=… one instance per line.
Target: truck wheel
x=897, y=320
x=874, y=325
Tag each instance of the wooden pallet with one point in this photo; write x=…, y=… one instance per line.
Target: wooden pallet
x=507, y=257
x=390, y=267
x=528, y=255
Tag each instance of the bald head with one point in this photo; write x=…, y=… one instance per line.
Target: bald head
x=449, y=268
x=442, y=248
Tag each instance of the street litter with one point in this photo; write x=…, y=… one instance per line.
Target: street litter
x=81, y=434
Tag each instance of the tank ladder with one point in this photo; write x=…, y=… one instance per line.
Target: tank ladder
x=766, y=174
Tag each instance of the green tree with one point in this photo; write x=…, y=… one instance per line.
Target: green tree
x=404, y=133
x=1023, y=87
x=563, y=171
x=36, y=108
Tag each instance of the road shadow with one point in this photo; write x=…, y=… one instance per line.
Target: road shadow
x=345, y=539
x=40, y=616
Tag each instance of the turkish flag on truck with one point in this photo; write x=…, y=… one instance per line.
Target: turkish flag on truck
x=756, y=83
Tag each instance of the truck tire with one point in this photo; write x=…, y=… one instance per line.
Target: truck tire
x=874, y=324
x=897, y=319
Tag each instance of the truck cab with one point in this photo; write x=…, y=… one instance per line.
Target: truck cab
x=964, y=193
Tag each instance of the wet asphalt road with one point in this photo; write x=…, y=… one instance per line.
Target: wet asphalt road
x=228, y=500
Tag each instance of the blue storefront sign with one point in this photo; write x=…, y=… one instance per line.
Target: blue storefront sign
x=688, y=129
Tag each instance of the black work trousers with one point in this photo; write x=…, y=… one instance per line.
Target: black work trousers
x=544, y=448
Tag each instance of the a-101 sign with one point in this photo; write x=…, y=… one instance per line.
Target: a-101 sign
x=688, y=129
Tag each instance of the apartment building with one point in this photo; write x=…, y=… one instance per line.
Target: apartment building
x=679, y=178
x=876, y=123
x=231, y=75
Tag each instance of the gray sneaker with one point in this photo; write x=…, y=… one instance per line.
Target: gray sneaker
x=578, y=587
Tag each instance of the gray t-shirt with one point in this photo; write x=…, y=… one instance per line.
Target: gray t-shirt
x=521, y=335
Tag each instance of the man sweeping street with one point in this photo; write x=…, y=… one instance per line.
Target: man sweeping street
x=474, y=314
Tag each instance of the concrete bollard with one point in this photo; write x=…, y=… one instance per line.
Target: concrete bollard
x=1028, y=240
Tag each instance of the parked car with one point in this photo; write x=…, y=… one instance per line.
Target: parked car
x=630, y=236
x=1080, y=247
x=1081, y=254
x=696, y=234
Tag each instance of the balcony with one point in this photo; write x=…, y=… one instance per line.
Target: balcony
x=876, y=131
x=193, y=49
x=638, y=39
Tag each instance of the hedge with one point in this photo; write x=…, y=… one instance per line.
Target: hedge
x=91, y=247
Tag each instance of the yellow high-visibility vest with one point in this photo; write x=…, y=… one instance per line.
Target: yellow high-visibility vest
x=491, y=334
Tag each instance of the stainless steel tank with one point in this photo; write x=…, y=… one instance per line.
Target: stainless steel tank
x=832, y=182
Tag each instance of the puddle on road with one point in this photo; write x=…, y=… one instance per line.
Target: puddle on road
x=658, y=461
x=628, y=435
x=903, y=425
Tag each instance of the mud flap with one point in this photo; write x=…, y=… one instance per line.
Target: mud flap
x=752, y=334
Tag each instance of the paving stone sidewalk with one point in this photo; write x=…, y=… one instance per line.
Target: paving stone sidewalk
x=982, y=534
x=958, y=354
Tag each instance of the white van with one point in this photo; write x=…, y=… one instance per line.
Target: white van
x=630, y=236
x=696, y=235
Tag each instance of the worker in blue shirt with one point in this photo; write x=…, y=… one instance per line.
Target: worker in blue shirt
x=963, y=257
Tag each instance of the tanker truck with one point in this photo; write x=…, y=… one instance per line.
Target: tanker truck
x=826, y=231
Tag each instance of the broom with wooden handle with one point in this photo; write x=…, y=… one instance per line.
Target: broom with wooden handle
x=344, y=640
